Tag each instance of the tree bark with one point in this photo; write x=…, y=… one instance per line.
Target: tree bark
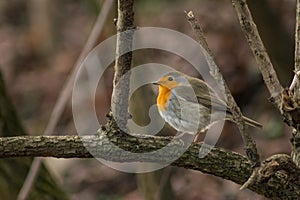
x=123, y=62
x=278, y=177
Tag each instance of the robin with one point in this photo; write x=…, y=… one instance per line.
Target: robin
x=190, y=105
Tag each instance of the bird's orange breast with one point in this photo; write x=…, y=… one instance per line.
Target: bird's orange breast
x=163, y=97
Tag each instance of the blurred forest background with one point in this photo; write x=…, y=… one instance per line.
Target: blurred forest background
x=40, y=41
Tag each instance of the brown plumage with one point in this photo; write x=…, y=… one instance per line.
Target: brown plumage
x=186, y=103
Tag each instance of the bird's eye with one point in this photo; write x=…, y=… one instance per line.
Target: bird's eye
x=170, y=78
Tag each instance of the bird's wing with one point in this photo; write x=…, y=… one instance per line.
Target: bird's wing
x=201, y=93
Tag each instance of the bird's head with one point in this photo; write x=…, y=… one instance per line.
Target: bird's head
x=172, y=80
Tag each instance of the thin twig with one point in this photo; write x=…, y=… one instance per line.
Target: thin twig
x=262, y=58
x=65, y=94
x=250, y=145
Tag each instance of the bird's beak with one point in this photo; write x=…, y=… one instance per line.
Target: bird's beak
x=155, y=83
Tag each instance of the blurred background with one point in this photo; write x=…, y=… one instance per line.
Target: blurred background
x=40, y=41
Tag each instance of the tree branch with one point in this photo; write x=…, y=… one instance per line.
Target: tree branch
x=288, y=100
x=250, y=145
x=277, y=178
x=262, y=58
x=125, y=31
x=124, y=41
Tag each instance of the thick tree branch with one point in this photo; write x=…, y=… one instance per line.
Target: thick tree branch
x=125, y=30
x=124, y=41
x=278, y=177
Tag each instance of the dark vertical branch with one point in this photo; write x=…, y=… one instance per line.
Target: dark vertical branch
x=123, y=61
x=124, y=41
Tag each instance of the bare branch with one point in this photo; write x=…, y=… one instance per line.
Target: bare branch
x=262, y=58
x=250, y=145
x=278, y=178
x=123, y=62
x=124, y=41
x=287, y=101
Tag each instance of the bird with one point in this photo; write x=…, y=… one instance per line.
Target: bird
x=190, y=105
